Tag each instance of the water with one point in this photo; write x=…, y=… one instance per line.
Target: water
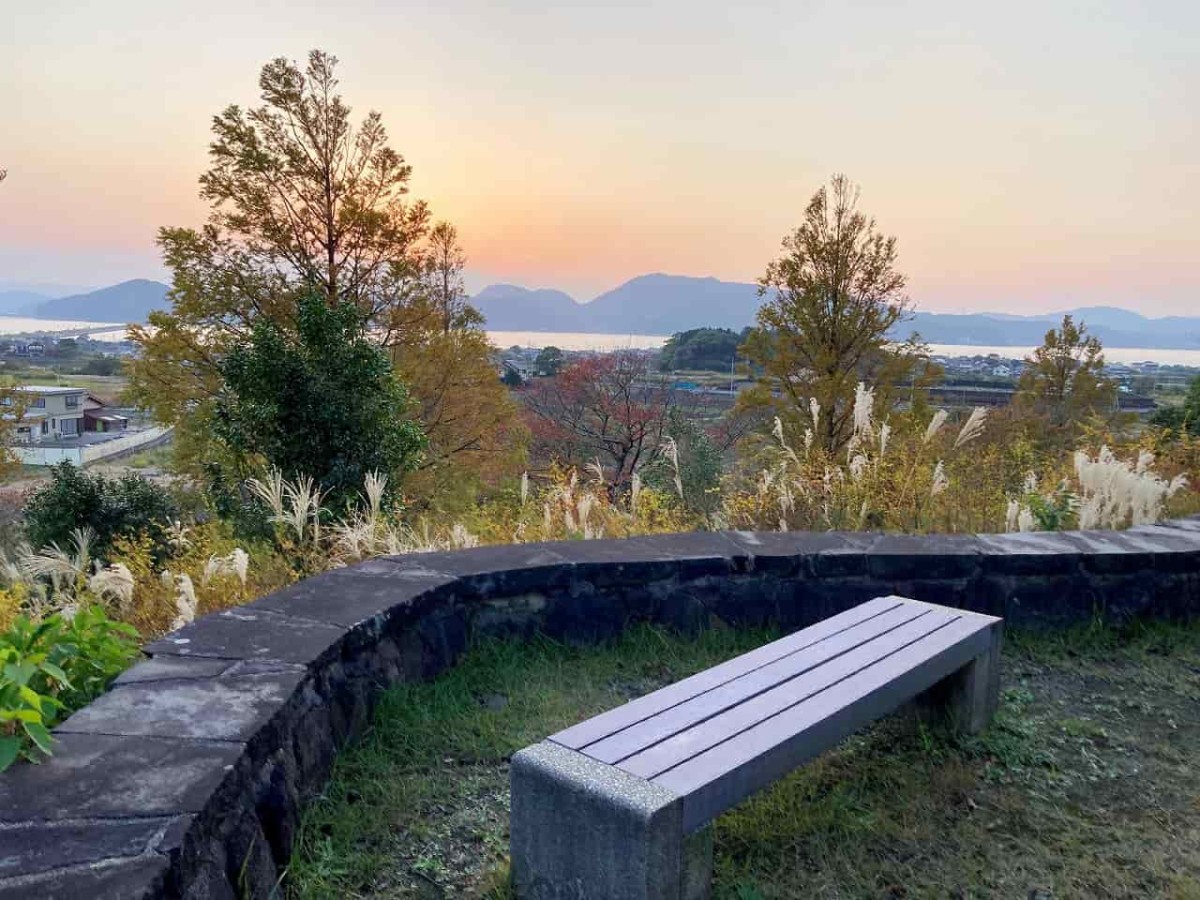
x=103, y=331
x=578, y=341
x=1111, y=354
x=568, y=340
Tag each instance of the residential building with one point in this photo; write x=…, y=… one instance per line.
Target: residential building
x=98, y=417
x=47, y=412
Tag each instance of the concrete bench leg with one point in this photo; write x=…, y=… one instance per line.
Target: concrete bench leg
x=967, y=700
x=583, y=830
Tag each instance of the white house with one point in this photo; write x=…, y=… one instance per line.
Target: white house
x=45, y=412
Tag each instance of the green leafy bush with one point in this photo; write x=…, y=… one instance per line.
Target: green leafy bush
x=112, y=508
x=51, y=668
x=709, y=349
x=1183, y=419
x=688, y=466
x=320, y=401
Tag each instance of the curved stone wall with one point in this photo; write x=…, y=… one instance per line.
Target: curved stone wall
x=187, y=778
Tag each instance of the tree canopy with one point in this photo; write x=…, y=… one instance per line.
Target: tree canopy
x=1185, y=418
x=306, y=202
x=709, y=349
x=549, y=361
x=831, y=301
x=302, y=201
x=1064, y=382
x=601, y=408
x=112, y=508
x=319, y=401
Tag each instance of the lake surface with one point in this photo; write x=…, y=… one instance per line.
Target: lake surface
x=568, y=340
x=578, y=341
x=22, y=325
x=1111, y=354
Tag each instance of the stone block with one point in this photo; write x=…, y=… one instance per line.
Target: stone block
x=926, y=557
x=611, y=563
x=501, y=569
x=244, y=633
x=785, y=554
x=847, y=558
x=1029, y=553
x=102, y=776
x=583, y=830
x=376, y=589
x=213, y=709
x=139, y=878
x=1111, y=552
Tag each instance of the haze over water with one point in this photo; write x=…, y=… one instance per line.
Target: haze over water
x=570, y=340
x=582, y=341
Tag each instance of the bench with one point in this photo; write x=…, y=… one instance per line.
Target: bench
x=617, y=807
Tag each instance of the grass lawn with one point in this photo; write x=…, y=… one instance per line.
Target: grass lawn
x=1086, y=785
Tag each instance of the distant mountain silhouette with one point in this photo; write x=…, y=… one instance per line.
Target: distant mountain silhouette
x=129, y=301
x=664, y=304
x=660, y=304
x=20, y=303
x=510, y=308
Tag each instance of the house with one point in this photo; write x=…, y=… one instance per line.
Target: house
x=98, y=417
x=47, y=412
x=522, y=368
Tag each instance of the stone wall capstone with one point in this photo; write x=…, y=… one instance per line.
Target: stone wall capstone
x=187, y=778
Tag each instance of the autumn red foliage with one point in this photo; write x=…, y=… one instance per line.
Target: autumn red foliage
x=600, y=408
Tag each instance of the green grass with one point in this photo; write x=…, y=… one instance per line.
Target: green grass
x=1084, y=786
x=159, y=457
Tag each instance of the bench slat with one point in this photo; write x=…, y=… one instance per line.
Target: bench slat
x=721, y=728
x=739, y=690
x=727, y=773
x=599, y=727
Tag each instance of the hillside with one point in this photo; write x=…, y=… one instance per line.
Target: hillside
x=664, y=304
x=510, y=308
x=661, y=304
x=20, y=303
x=129, y=301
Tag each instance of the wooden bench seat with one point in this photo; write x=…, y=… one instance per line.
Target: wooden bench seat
x=611, y=807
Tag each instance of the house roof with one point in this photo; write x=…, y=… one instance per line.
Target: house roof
x=47, y=389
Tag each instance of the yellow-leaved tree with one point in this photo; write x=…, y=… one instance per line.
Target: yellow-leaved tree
x=831, y=302
x=304, y=200
x=441, y=351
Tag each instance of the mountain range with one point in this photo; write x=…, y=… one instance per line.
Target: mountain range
x=660, y=305
x=129, y=301
x=664, y=304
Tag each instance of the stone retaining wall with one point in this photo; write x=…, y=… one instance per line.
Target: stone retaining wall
x=187, y=778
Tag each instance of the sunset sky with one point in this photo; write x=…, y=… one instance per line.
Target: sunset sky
x=1029, y=156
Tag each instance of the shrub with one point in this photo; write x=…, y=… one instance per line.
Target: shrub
x=688, y=466
x=51, y=668
x=321, y=402
x=911, y=472
x=1183, y=419
x=75, y=500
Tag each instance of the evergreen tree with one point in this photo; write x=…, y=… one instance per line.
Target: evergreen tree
x=319, y=401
